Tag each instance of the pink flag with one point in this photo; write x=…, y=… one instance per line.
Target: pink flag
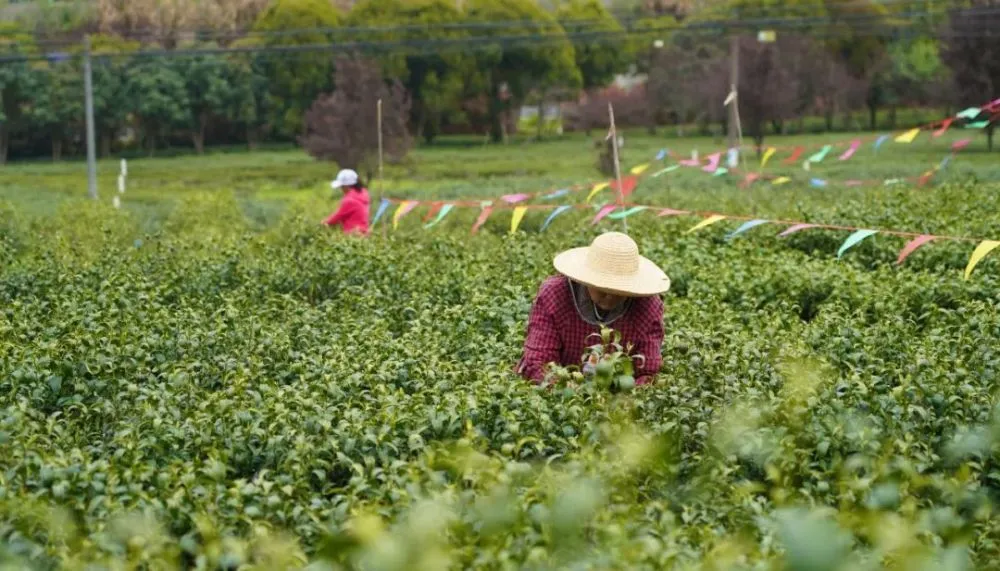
x=795, y=156
x=671, y=212
x=750, y=179
x=689, y=162
x=912, y=247
x=944, y=127
x=514, y=198
x=796, y=228
x=713, y=162
x=628, y=185
x=855, y=144
x=604, y=212
x=482, y=219
x=959, y=145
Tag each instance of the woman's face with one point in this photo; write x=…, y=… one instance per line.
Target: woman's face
x=604, y=300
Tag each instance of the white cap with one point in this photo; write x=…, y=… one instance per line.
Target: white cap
x=346, y=177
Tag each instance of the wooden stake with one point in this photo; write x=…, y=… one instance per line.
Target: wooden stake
x=618, y=168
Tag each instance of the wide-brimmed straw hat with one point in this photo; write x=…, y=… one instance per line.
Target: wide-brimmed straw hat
x=612, y=263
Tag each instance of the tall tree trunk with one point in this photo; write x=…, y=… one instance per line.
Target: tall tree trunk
x=872, y=116
x=105, y=143
x=892, y=116
x=199, y=135
x=57, y=147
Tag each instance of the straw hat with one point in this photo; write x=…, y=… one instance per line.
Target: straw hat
x=612, y=263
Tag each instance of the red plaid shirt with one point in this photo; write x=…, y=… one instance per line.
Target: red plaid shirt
x=557, y=333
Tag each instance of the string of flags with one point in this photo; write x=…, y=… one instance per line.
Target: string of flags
x=972, y=117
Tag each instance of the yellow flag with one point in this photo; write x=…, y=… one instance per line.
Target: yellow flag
x=515, y=220
x=781, y=180
x=706, y=222
x=908, y=136
x=640, y=169
x=597, y=188
x=984, y=247
x=767, y=156
x=403, y=208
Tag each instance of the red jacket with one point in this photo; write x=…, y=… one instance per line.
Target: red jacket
x=557, y=333
x=353, y=212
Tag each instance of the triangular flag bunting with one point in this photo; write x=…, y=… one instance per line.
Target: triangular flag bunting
x=627, y=213
x=404, y=208
x=604, y=212
x=795, y=228
x=382, y=207
x=720, y=171
x=978, y=125
x=515, y=219
x=555, y=213
x=628, y=185
x=970, y=113
x=556, y=194
x=767, y=156
x=639, y=169
x=855, y=145
x=880, y=140
x=713, y=162
x=912, y=246
x=482, y=218
x=818, y=157
x=908, y=136
x=435, y=207
x=662, y=154
x=781, y=180
x=959, y=145
x=794, y=158
x=744, y=227
x=597, y=188
x=441, y=214
x=817, y=182
x=514, y=198
x=671, y=168
x=984, y=247
x=706, y=222
x=749, y=179
x=671, y=212
x=944, y=127
x=854, y=239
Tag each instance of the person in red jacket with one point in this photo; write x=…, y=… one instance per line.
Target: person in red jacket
x=609, y=284
x=352, y=214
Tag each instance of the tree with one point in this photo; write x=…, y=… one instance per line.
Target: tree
x=159, y=98
x=513, y=70
x=57, y=107
x=341, y=126
x=597, y=59
x=974, y=60
x=251, y=98
x=767, y=86
x=166, y=19
x=112, y=98
x=436, y=79
x=210, y=93
x=295, y=79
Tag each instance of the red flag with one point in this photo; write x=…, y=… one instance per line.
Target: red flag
x=959, y=145
x=795, y=156
x=482, y=219
x=435, y=208
x=628, y=185
x=912, y=247
x=944, y=127
x=750, y=179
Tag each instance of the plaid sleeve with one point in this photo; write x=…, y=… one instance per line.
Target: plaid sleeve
x=542, y=344
x=650, y=340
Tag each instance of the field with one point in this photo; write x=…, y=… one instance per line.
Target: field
x=208, y=379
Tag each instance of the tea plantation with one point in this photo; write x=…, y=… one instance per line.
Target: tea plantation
x=210, y=380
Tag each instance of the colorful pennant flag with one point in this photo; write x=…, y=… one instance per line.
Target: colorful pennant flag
x=854, y=239
x=944, y=162
x=515, y=219
x=944, y=127
x=908, y=136
x=604, y=212
x=970, y=113
x=978, y=125
x=627, y=213
x=435, y=207
x=959, y=145
x=912, y=246
x=597, y=188
x=817, y=182
x=483, y=215
x=795, y=228
x=880, y=140
x=671, y=212
x=720, y=171
x=781, y=180
x=767, y=156
x=514, y=198
x=818, y=157
x=662, y=154
x=404, y=208
x=557, y=194
x=984, y=247
x=639, y=169
x=749, y=179
x=671, y=168
x=382, y=207
x=628, y=185
x=442, y=212
x=713, y=162
x=555, y=213
x=855, y=145
x=692, y=162
x=744, y=227
x=795, y=156
x=706, y=222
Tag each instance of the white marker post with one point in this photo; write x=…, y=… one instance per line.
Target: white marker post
x=618, y=168
x=122, y=175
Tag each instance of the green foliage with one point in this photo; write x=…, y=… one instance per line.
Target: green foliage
x=57, y=108
x=598, y=60
x=159, y=97
x=295, y=82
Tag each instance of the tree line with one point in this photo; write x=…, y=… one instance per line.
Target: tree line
x=469, y=66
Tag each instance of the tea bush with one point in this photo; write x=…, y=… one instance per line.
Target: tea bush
x=211, y=395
